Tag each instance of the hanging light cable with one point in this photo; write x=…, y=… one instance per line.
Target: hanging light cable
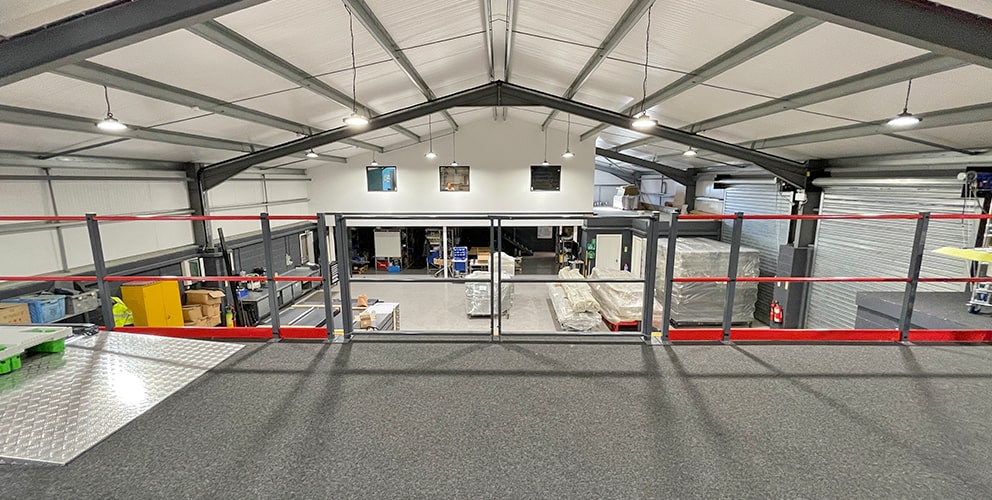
x=568, y=139
x=642, y=120
x=110, y=123
x=905, y=119
x=430, y=138
x=374, y=163
x=355, y=119
x=545, y=162
x=453, y=162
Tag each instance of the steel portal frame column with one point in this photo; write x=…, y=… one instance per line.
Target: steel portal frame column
x=100, y=268
x=915, y=263
x=324, y=261
x=735, y=253
x=666, y=318
x=270, y=273
x=344, y=280
x=650, y=273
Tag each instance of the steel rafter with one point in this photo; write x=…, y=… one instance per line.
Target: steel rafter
x=103, y=75
x=684, y=177
x=771, y=37
x=44, y=119
x=635, y=11
x=364, y=14
x=504, y=94
x=926, y=64
x=921, y=23
x=82, y=37
x=237, y=44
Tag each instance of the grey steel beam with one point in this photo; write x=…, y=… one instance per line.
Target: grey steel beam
x=773, y=36
x=44, y=119
x=511, y=21
x=794, y=173
x=487, y=24
x=116, y=26
x=103, y=75
x=916, y=67
x=926, y=64
x=635, y=11
x=44, y=160
x=484, y=95
x=364, y=14
x=684, y=177
x=921, y=23
x=935, y=119
x=237, y=44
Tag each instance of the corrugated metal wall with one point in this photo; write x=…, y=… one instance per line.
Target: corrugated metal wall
x=764, y=236
x=252, y=195
x=869, y=248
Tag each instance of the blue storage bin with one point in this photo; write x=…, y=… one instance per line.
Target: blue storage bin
x=43, y=308
x=393, y=269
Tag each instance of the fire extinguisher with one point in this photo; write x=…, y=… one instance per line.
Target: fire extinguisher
x=775, y=313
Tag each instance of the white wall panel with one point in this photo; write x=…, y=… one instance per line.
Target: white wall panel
x=236, y=192
x=280, y=190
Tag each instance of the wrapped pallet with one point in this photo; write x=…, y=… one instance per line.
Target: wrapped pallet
x=703, y=303
x=477, y=300
x=570, y=318
x=621, y=302
x=579, y=294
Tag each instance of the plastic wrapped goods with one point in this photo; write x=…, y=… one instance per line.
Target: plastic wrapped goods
x=621, y=302
x=477, y=294
x=703, y=303
x=568, y=317
x=579, y=294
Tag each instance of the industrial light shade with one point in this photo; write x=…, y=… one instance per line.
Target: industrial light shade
x=312, y=154
x=430, y=155
x=374, y=163
x=567, y=154
x=643, y=121
x=545, y=163
x=454, y=163
x=689, y=152
x=356, y=120
x=111, y=124
x=904, y=120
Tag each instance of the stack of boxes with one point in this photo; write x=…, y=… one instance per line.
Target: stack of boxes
x=203, y=307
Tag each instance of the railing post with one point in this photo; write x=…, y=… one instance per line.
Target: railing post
x=493, y=330
x=344, y=280
x=666, y=318
x=915, y=264
x=324, y=261
x=735, y=253
x=100, y=268
x=498, y=276
x=650, y=274
x=270, y=273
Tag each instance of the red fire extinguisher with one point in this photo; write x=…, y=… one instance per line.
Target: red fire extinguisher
x=775, y=313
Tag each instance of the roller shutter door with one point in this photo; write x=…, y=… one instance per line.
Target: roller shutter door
x=764, y=236
x=870, y=248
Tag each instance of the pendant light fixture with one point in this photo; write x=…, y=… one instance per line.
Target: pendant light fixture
x=110, y=124
x=355, y=119
x=374, y=163
x=545, y=162
x=430, y=138
x=689, y=152
x=453, y=162
x=643, y=120
x=312, y=154
x=905, y=119
x=568, y=140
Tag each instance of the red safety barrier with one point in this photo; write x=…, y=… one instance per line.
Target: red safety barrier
x=237, y=333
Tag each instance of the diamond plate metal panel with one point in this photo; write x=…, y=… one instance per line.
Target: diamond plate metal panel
x=58, y=406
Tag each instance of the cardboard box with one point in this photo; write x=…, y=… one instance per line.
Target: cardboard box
x=205, y=296
x=14, y=314
x=209, y=309
x=204, y=321
x=193, y=312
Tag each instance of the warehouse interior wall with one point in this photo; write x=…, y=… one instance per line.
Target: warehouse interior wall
x=500, y=154
x=36, y=249
x=252, y=194
x=605, y=186
x=709, y=199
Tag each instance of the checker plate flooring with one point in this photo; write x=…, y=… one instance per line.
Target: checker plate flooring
x=57, y=406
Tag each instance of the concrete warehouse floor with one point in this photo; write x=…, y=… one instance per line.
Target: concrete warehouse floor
x=414, y=420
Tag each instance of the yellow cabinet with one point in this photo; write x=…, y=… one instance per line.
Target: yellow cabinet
x=153, y=303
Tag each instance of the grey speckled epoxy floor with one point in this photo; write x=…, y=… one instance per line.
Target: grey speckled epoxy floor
x=415, y=420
